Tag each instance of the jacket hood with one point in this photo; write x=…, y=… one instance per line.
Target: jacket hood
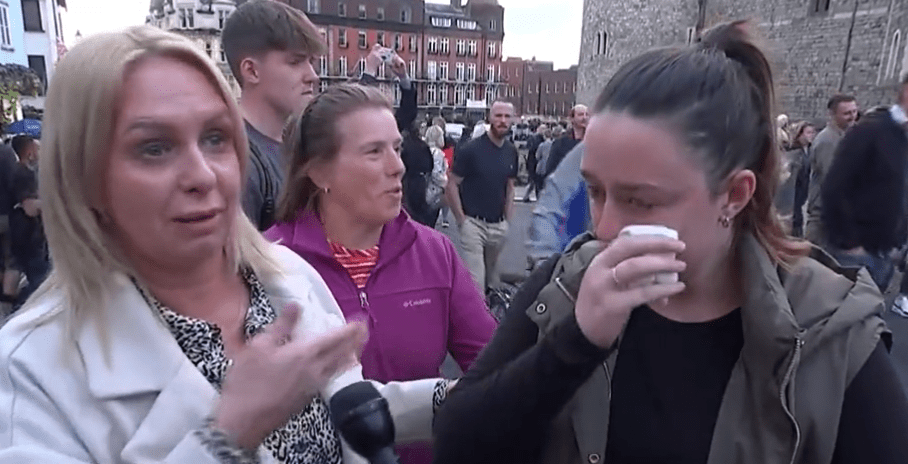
x=813, y=301
x=306, y=236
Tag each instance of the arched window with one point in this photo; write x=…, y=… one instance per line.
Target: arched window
x=892, y=68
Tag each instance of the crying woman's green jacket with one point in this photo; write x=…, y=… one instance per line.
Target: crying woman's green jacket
x=807, y=333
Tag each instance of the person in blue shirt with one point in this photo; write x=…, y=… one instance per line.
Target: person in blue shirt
x=562, y=211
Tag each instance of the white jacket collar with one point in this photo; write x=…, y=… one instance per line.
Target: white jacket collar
x=146, y=357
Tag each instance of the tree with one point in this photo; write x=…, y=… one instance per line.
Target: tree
x=15, y=81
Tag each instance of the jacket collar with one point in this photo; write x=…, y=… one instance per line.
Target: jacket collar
x=307, y=236
x=126, y=346
x=768, y=321
x=141, y=355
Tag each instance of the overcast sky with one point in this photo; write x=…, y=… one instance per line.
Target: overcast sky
x=546, y=29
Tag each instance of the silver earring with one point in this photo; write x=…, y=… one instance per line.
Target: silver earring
x=725, y=221
x=326, y=190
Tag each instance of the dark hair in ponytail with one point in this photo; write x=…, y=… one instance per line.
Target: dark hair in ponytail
x=719, y=94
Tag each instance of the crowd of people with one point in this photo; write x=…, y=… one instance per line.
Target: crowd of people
x=222, y=268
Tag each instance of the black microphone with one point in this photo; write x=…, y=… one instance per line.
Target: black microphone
x=362, y=417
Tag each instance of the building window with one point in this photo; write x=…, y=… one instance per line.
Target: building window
x=413, y=39
x=493, y=25
x=363, y=42
x=443, y=94
x=471, y=92
x=405, y=15
x=432, y=45
x=323, y=65
x=691, y=35
x=398, y=42
x=443, y=70
x=342, y=66
x=892, y=67
x=466, y=24
x=312, y=6
x=222, y=18
x=6, y=38
x=546, y=87
x=342, y=9
x=342, y=38
x=602, y=43
x=820, y=6
x=208, y=49
x=362, y=12
x=187, y=18
x=380, y=38
x=461, y=47
x=223, y=55
x=460, y=95
x=412, y=67
x=471, y=72
x=461, y=71
x=430, y=70
x=491, y=94
x=431, y=94
x=490, y=73
x=380, y=14
x=472, y=48
x=438, y=21
x=39, y=66
x=31, y=15
x=444, y=47
x=493, y=49
x=322, y=86
x=381, y=72
x=362, y=65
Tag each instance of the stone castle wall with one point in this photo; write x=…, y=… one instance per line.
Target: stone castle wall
x=861, y=51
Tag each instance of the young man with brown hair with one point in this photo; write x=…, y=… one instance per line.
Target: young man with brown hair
x=270, y=48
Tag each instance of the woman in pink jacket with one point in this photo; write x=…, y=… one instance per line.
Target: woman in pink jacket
x=341, y=211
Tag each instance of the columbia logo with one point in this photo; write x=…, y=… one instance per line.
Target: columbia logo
x=413, y=303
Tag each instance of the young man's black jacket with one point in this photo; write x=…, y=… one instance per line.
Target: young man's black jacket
x=864, y=192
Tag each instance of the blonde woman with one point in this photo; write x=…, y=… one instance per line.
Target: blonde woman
x=169, y=330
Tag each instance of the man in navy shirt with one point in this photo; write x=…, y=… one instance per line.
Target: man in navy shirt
x=481, y=195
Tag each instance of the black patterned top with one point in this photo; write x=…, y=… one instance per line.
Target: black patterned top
x=308, y=438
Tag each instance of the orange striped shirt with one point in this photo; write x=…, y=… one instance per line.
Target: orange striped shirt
x=359, y=263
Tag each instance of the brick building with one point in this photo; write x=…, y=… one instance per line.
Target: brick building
x=462, y=50
x=351, y=28
x=452, y=51
x=537, y=89
x=820, y=47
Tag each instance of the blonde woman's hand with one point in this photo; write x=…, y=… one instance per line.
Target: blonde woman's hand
x=622, y=277
x=275, y=377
